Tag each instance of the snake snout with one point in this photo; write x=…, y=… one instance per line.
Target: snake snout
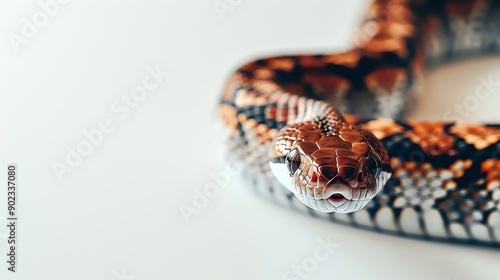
x=337, y=191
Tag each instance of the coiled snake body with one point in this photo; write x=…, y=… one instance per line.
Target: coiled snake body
x=419, y=179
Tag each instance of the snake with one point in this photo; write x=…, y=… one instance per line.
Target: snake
x=327, y=134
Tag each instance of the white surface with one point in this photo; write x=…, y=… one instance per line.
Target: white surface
x=118, y=211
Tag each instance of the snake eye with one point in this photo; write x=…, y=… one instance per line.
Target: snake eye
x=292, y=161
x=374, y=165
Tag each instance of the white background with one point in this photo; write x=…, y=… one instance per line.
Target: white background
x=118, y=211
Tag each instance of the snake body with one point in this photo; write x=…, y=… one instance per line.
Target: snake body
x=330, y=128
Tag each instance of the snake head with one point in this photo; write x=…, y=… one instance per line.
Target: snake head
x=337, y=169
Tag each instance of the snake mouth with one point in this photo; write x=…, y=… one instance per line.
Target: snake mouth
x=337, y=197
x=335, y=203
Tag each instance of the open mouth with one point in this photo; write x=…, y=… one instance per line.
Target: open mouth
x=337, y=197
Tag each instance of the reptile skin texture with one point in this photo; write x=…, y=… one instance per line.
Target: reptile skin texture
x=340, y=117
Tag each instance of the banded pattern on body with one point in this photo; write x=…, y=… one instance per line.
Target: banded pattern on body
x=445, y=180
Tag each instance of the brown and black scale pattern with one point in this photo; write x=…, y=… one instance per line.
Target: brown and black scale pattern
x=446, y=177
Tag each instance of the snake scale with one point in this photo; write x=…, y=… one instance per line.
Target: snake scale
x=326, y=133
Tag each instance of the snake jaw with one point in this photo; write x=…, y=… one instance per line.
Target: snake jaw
x=340, y=194
x=339, y=169
x=336, y=195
